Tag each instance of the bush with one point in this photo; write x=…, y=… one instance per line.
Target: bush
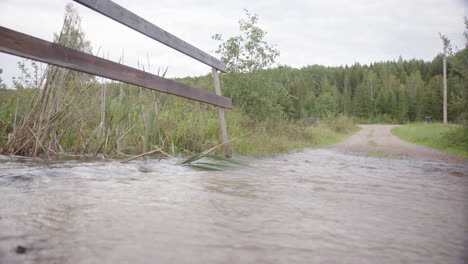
x=260, y=98
x=457, y=136
x=341, y=124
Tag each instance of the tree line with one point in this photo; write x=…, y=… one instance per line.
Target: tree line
x=388, y=91
x=397, y=91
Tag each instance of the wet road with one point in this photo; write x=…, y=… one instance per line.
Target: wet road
x=379, y=141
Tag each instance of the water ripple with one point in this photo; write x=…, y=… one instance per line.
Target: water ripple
x=308, y=207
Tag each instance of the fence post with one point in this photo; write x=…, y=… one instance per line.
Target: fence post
x=222, y=121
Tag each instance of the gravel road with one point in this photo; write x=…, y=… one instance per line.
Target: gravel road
x=378, y=140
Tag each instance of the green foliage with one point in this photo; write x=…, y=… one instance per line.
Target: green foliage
x=218, y=163
x=72, y=35
x=78, y=114
x=384, y=92
x=30, y=76
x=341, y=124
x=12, y=106
x=290, y=136
x=276, y=99
x=248, y=51
x=415, y=88
x=325, y=106
x=447, y=46
x=465, y=33
x=457, y=137
x=2, y=85
x=259, y=97
x=451, y=139
x=57, y=93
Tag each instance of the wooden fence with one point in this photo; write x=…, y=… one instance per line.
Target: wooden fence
x=26, y=46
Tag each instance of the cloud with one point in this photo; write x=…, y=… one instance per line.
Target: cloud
x=306, y=32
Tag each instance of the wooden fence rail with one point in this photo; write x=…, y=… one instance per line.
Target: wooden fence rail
x=133, y=21
x=22, y=45
x=26, y=46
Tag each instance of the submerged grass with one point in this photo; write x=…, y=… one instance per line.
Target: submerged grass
x=451, y=139
x=217, y=163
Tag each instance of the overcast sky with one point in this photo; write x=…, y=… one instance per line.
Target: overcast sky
x=306, y=32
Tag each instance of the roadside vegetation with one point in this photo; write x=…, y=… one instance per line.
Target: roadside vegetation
x=452, y=139
x=62, y=111
x=118, y=119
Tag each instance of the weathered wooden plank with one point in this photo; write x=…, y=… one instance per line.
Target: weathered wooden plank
x=133, y=21
x=222, y=120
x=23, y=45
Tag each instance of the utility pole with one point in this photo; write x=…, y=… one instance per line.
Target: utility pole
x=447, y=49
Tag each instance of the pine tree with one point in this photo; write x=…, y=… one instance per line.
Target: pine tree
x=415, y=88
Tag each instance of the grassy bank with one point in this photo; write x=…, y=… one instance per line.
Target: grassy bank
x=289, y=136
x=451, y=139
x=119, y=119
x=116, y=119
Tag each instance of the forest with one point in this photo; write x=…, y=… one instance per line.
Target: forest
x=60, y=110
x=388, y=92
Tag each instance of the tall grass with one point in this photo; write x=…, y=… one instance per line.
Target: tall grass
x=71, y=112
x=291, y=136
x=136, y=121
x=452, y=139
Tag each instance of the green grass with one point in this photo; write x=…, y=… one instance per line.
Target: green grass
x=133, y=125
x=292, y=137
x=451, y=139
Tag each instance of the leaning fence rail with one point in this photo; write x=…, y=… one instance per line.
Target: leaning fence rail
x=133, y=21
x=22, y=45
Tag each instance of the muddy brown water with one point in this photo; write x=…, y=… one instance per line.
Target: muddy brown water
x=315, y=206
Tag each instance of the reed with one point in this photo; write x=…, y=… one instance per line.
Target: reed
x=72, y=112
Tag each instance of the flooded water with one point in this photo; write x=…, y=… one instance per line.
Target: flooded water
x=317, y=206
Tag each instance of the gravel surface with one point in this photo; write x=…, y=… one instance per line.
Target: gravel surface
x=378, y=140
